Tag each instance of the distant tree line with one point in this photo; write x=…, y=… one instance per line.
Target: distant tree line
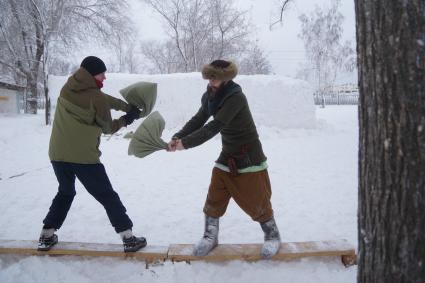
x=199, y=31
x=327, y=55
x=36, y=34
x=40, y=37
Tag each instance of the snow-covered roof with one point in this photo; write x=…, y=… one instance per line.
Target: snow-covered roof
x=11, y=86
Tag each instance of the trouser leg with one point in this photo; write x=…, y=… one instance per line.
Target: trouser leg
x=252, y=192
x=218, y=196
x=64, y=197
x=96, y=181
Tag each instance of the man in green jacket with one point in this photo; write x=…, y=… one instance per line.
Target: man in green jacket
x=83, y=113
x=240, y=171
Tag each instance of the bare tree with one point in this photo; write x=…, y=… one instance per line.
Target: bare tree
x=24, y=44
x=119, y=45
x=255, y=62
x=391, y=64
x=199, y=31
x=283, y=7
x=34, y=29
x=124, y=45
x=322, y=32
x=230, y=30
x=60, y=64
x=164, y=57
x=132, y=57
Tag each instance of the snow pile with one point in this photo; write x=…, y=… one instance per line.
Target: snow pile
x=73, y=269
x=275, y=101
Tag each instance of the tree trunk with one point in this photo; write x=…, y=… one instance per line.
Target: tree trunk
x=391, y=213
x=47, y=98
x=46, y=83
x=31, y=97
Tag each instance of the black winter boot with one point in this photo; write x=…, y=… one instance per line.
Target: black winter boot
x=47, y=241
x=210, y=239
x=133, y=243
x=271, y=239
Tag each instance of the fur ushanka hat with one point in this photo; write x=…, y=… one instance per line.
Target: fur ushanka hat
x=220, y=70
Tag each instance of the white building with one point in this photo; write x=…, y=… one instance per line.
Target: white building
x=10, y=95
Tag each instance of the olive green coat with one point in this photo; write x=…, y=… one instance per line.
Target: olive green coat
x=83, y=113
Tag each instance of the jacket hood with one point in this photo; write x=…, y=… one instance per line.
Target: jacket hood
x=81, y=80
x=85, y=116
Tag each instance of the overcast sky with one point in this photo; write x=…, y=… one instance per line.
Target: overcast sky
x=281, y=44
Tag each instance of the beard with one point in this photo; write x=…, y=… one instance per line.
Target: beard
x=213, y=90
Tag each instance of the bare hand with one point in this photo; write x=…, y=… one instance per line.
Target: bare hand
x=172, y=145
x=179, y=145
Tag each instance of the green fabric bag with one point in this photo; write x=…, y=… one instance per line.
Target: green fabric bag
x=142, y=95
x=147, y=138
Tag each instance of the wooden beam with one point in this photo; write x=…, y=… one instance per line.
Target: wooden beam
x=149, y=253
x=183, y=252
x=251, y=252
x=4, y=98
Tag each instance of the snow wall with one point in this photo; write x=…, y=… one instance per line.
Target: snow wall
x=275, y=101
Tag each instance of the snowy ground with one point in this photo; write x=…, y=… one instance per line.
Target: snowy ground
x=314, y=182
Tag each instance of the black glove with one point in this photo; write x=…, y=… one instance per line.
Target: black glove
x=134, y=112
x=128, y=119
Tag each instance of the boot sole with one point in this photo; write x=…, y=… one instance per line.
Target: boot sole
x=45, y=249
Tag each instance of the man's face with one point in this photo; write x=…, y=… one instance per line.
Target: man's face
x=100, y=77
x=214, y=84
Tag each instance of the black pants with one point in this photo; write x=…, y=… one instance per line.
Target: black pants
x=95, y=180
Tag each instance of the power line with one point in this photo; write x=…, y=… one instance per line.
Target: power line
x=286, y=51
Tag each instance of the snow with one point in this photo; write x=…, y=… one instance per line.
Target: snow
x=312, y=166
x=276, y=101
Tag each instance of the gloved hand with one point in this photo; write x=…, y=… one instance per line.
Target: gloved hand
x=128, y=119
x=134, y=112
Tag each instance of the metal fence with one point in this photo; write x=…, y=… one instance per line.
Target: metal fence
x=336, y=98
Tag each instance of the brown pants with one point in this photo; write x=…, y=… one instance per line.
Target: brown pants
x=251, y=191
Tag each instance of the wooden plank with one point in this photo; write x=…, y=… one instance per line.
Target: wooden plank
x=4, y=98
x=148, y=253
x=183, y=252
x=251, y=252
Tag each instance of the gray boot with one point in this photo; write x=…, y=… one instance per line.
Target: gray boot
x=271, y=239
x=210, y=239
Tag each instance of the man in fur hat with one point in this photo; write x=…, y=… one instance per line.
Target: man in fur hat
x=83, y=113
x=240, y=171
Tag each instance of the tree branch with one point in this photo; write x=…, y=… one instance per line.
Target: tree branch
x=14, y=68
x=282, y=9
x=9, y=45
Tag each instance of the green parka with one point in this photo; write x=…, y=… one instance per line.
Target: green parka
x=83, y=113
